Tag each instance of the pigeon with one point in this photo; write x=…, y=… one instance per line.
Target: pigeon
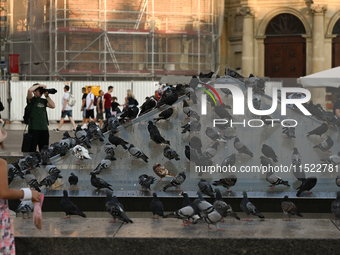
x=289, y=131
x=190, y=92
x=170, y=153
x=192, y=126
x=194, y=82
x=148, y=105
x=50, y=169
x=206, y=188
x=202, y=205
x=189, y=111
x=158, y=139
x=31, y=181
x=219, y=203
x=25, y=206
x=196, y=144
x=69, y=208
x=33, y=159
x=54, y=149
x=289, y=208
x=156, y=206
x=212, y=151
x=161, y=171
x=325, y=145
x=110, y=151
x=191, y=154
x=333, y=160
x=113, y=124
x=180, y=88
x=319, y=130
x=22, y=164
x=336, y=206
x=215, y=217
x=274, y=180
x=73, y=179
x=137, y=153
x=299, y=172
x=115, y=140
x=229, y=161
x=241, y=148
x=64, y=146
x=169, y=97
x=16, y=171
x=266, y=162
x=226, y=91
x=10, y=176
x=82, y=137
x=145, y=181
x=164, y=115
x=227, y=182
x=185, y=213
x=99, y=183
x=337, y=180
x=45, y=155
x=152, y=128
x=249, y=208
x=176, y=181
x=269, y=152
x=204, y=163
x=214, y=135
x=307, y=185
x=81, y=153
x=116, y=209
x=296, y=157
x=95, y=130
x=49, y=180
x=267, y=120
x=257, y=101
x=222, y=112
x=104, y=164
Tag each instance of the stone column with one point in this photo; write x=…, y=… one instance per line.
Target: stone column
x=318, y=59
x=247, y=40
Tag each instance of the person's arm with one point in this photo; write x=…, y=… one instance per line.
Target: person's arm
x=104, y=102
x=31, y=90
x=6, y=192
x=98, y=108
x=88, y=108
x=337, y=112
x=50, y=103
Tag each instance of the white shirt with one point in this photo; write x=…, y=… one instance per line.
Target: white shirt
x=89, y=98
x=67, y=107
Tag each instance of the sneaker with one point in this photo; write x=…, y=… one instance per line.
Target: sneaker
x=83, y=126
x=74, y=130
x=56, y=130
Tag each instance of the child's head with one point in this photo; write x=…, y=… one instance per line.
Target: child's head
x=114, y=99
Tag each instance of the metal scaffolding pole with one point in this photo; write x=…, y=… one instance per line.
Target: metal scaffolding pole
x=153, y=39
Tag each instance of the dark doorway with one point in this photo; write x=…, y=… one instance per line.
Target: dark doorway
x=336, y=45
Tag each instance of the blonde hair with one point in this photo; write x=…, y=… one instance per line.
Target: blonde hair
x=130, y=94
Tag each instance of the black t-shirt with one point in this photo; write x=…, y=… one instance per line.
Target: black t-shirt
x=84, y=97
x=114, y=105
x=336, y=106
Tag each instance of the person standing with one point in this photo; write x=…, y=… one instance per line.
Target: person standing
x=83, y=106
x=38, y=121
x=107, y=102
x=7, y=244
x=89, y=105
x=336, y=106
x=66, y=111
x=100, y=108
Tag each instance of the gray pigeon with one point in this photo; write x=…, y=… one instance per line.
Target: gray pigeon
x=50, y=169
x=307, y=185
x=257, y=101
x=185, y=213
x=206, y=188
x=219, y=203
x=31, y=181
x=113, y=124
x=215, y=217
x=104, y=164
x=95, y=130
x=215, y=136
x=299, y=172
x=333, y=160
x=319, y=130
x=25, y=207
x=203, y=206
x=49, y=180
x=241, y=148
x=269, y=152
x=189, y=111
x=337, y=180
x=289, y=208
x=176, y=181
x=249, y=208
x=192, y=126
x=99, y=183
x=227, y=182
x=267, y=120
x=82, y=137
x=110, y=151
x=212, y=151
x=336, y=206
x=296, y=157
x=116, y=209
x=170, y=153
x=137, y=153
x=145, y=181
x=229, y=161
x=274, y=180
x=325, y=145
x=45, y=155
x=289, y=131
x=15, y=170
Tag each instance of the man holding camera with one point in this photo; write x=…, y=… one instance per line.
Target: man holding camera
x=38, y=121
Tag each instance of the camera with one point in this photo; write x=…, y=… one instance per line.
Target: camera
x=50, y=91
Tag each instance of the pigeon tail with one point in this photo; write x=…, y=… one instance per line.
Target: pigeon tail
x=126, y=218
x=167, y=186
x=124, y=146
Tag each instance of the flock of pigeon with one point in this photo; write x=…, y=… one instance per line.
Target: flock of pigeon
x=191, y=211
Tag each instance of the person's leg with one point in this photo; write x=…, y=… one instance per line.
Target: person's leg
x=34, y=141
x=61, y=123
x=44, y=139
x=101, y=123
x=72, y=122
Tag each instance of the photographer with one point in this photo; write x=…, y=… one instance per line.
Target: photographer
x=38, y=122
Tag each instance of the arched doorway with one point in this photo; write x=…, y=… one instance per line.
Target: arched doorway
x=285, y=48
x=336, y=45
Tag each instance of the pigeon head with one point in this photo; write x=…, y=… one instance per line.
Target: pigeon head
x=244, y=193
x=187, y=147
x=131, y=145
x=339, y=153
x=185, y=103
x=236, y=140
x=295, y=150
x=65, y=193
x=93, y=174
x=150, y=122
x=285, y=198
x=154, y=195
x=200, y=195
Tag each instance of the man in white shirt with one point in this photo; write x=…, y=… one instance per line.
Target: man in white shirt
x=89, y=106
x=67, y=110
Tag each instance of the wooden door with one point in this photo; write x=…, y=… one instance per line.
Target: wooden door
x=285, y=57
x=336, y=52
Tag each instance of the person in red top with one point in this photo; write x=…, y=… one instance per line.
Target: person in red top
x=107, y=102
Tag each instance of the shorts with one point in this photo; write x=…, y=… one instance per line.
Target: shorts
x=68, y=113
x=90, y=113
x=84, y=112
x=108, y=112
x=100, y=116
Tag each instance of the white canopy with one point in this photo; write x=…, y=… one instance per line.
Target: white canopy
x=327, y=78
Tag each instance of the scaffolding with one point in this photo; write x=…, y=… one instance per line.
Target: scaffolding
x=63, y=39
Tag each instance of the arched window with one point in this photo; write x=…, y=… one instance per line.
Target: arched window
x=336, y=28
x=285, y=24
x=336, y=45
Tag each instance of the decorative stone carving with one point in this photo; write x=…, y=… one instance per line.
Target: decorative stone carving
x=318, y=8
x=246, y=11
